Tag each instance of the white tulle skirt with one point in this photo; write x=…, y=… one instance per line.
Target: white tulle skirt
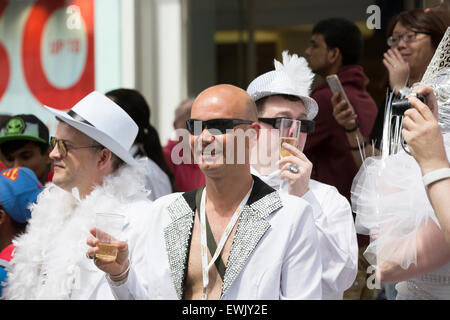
x=390, y=202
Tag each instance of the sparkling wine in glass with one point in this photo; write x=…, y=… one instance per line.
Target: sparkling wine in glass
x=289, y=133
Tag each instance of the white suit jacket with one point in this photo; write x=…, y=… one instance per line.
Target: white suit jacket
x=336, y=231
x=275, y=253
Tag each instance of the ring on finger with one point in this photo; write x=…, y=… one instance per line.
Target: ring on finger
x=293, y=168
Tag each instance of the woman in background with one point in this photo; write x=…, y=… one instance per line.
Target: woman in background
x=147, y=147
x=413, y=37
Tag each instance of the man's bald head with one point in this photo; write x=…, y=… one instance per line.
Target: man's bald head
x=225, y=101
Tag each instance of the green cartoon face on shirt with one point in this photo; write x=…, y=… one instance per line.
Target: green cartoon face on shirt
x=15, y=126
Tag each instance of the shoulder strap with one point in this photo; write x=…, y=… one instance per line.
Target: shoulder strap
x=212, y=245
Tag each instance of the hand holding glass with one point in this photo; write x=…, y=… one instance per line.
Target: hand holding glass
x=109, y=228
x=289, y=133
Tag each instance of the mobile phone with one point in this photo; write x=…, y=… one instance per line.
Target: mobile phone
x=336, y=86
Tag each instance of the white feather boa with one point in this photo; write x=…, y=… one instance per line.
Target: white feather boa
x=48, y=256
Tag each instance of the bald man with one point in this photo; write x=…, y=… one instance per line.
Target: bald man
x=237, y=238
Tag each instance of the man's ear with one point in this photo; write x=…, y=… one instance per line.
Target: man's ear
x=256, y=126
x=334, y=55
x=105, y=157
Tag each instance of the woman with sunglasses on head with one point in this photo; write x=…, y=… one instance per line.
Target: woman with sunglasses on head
x=413, y=37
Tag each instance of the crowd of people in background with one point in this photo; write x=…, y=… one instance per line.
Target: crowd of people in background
x=206, y=229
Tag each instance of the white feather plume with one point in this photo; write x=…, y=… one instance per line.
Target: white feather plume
x=297, y=71
x=52, y=251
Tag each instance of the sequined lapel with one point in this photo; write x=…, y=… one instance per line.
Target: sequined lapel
x=178, y=237
x=252, y=226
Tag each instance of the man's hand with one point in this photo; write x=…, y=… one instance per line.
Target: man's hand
x=342, y=112
x=298, y=182
x=398, y=69
x=422, y=133
x=113, y=267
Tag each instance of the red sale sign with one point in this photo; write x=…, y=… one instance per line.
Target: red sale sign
x=46, y=53
x=4, y=60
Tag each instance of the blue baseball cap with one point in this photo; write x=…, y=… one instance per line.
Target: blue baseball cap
x=18, y=188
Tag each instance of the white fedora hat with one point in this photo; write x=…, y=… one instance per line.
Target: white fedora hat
x=101, y=119
x=292, y=77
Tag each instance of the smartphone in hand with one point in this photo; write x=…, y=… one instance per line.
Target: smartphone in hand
x=336, y=86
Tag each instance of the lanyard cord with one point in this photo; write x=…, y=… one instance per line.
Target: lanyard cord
x=204, y=244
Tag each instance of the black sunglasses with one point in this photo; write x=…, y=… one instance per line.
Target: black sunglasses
x=219, y=124
x=306, y=126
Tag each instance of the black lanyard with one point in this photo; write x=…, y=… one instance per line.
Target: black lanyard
x=212, y=245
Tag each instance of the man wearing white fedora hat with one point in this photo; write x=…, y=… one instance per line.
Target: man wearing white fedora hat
x=94, y=172
x=283, y=93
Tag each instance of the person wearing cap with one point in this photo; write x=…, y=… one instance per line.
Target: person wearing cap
x=94, y=173
x=19, y=188
x=265, y=243
x=284, y=93
x=24, y=142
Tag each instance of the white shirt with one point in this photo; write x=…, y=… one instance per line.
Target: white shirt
x=275, y=254
x=336, y=231
x=156, y=180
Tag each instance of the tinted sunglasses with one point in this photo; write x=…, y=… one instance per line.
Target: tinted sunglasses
x=64, y=149
x=306, y=126
x=219, y=124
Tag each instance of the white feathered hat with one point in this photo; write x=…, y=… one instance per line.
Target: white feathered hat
x=292, y=77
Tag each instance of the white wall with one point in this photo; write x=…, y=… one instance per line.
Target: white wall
x=108, y=54
x=160, y=62
x=141, y=44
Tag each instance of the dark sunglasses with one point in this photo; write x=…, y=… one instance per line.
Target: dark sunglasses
x=306, y=126
x=64, y=149
x=219, y=124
